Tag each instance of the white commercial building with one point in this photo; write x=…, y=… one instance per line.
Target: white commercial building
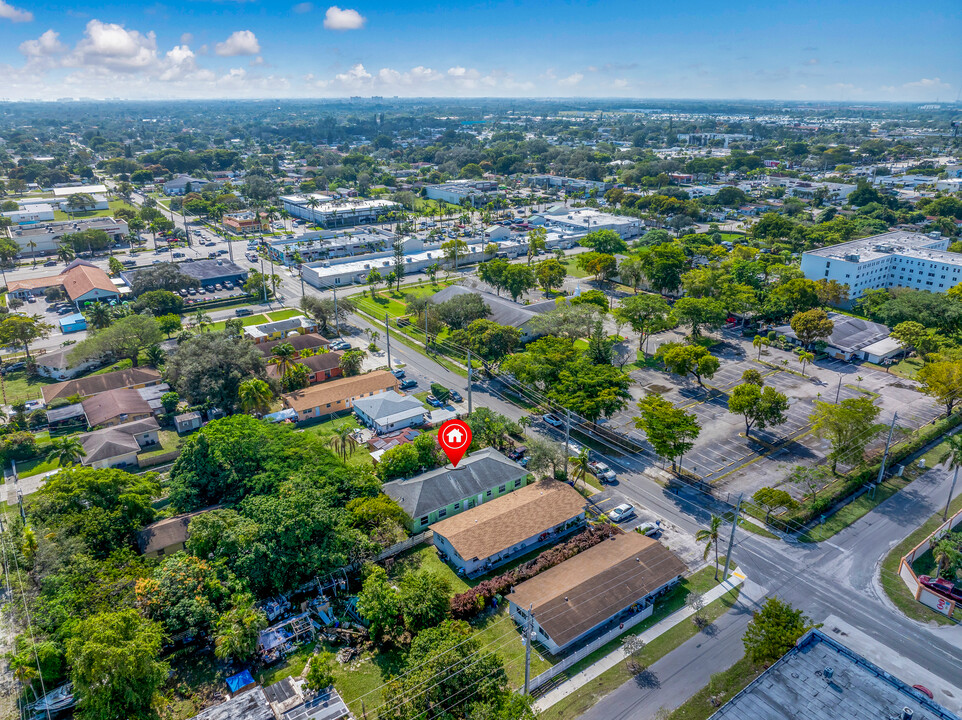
x=584, y=220
x=333, y=213
x=890, y=260
x=327, y=244
x=30, y=214
x=577, y=184
x=65, y=192
x=45, y=238
x=477, y=191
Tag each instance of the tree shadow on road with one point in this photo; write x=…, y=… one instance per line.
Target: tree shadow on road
x=647, y=680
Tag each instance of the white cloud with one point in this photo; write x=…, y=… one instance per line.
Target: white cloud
x=44, y=46
x=928, y=83
x=241, y=42
x=14, y=14
x=256, y=62
x=571, y=80
x=113, y=47
x=304, y=7
x=186, y=39
x=337, y=19
x=357, y=76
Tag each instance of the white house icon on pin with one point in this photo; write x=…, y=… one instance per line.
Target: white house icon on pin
x=455, y=436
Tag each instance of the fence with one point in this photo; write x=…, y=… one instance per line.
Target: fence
x=397, y=548
x=576, y=657
x=921, y=593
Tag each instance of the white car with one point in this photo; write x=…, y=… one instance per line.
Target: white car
x=621, y=513
x=553, y=420
x=649, y=528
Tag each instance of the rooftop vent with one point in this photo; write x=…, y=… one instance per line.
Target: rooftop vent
x=907, y=713
x=829, y=672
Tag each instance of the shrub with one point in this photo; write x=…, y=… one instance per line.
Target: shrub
x=471, y=602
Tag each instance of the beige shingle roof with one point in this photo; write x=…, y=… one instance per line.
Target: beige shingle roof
x=499, y=524
x=100, y=383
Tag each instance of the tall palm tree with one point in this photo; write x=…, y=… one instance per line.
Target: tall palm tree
x=580, y=466
x=711, y=537
x=254, y=396
x=99, y=316
x=760, y=341
x=805, y=357
x=66, y=450
x=524, y=422
x=65, y=252
x=284, y=356
x=342, y=442
x=155, y=356
x=201, y=320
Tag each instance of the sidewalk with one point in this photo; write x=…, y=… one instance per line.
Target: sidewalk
x=616, y=656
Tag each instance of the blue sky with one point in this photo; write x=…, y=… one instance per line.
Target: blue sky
x=846, y=50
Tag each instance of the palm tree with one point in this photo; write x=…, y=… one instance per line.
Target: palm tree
x=805, y=357
x=760, y=341
x=66, y=450
x=524, y=422
x=99, y=316
x=342, y=442
x=945, y=553
x=284, y=356
x=710, y=537
x=201, y=320
x=580, y=465
x=65, y=252
x=155, y=356
x=254, y=396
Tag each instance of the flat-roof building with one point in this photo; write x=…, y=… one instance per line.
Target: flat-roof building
x=586, y=219
x=822, y=679
x=890, y=260
x=30, y=214
x=478, y=192
x=618, y=577
x=205, y=272
x=345, y=212
x=43, y=238
x=575, y=184
x=495, y=532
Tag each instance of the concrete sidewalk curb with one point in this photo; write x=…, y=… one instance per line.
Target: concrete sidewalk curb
x=616, y=656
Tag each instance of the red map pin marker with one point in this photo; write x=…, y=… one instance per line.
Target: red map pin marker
x=454, y=437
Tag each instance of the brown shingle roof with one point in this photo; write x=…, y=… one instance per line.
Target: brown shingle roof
x=300, y=342
x=340, y=389
x=115, y=441
x=167, y=532
x=584, y=591
x=82, y=279
x=314, y=363
x=499, y=524
x=100, y=383
x=34, y=283
x=108, y=405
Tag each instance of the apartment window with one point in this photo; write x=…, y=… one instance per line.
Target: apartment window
x=488, y=493
x=424, y=520
x=517, y=483
x=442, y=512
x=457, y=506
x=502, y=488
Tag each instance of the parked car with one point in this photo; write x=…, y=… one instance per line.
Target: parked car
x=243, y=312
x=64, y=311
x=407, y=384
x=942, y=586
x=553, y=420
x=128, y=263
x=517, y=453
x=650, y=528
x=398, y=373
x=621, y=513
x=340, y=345
x=433, y=401
x=211, y=255
x=50, y=263
x=13, y=367
x=456, y=396
x=604, y=473
x=229, y=285
x=179, y=255
x=218, y=287
x=191, y=291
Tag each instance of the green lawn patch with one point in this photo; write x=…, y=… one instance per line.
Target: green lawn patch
x=360, y=455
x=169, y=441
x=112, y=207
x=245, y=322
x=28, y=468
x=283, y=314
x=854, y=510
x=18, y=386
x=587, y=696
x=893, y=585
x=573, y=269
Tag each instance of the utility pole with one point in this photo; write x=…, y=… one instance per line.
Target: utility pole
x=885, y=455
x=387, y=336
x=945, y=513
x=838, y=390
x=567, y=437
x=528, y=631
x=264, y=279
x=469, y=382
x=731, y=539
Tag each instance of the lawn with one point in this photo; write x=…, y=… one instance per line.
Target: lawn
x=112, y=207
x=573, y=269
x=245, y=321
x=360, y=455
x=17, y=386
x=169, y=441
x=28, y=468
x=283, y=314
x=587, y=696
x=893, y=585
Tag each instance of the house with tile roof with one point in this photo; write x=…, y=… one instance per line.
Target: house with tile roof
x=496, y=532
x=82, y=281
x=437, y=494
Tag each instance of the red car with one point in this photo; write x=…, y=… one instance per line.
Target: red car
x=942, y=587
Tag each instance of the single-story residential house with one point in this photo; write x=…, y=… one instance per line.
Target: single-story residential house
x=167, y=536
x=616, y=578
x=337, y=395
x=280, y=329
x=68, y=416
x=380, y=444
x=504, y=311
x=118, y=446
x=82, y=281
x=178, y=186
x=185, y=422
x=115, y=407
x=85, y=387
x=320, y=367
x=300, y=343
x=446, y=491
x=57, y=366
x=390, y=411
x=495, y=532
x=849, y=337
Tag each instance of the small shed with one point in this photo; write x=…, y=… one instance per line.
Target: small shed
x=240, y=682
x=185, y=422
x=73, y=323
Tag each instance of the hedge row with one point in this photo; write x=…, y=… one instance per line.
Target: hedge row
x=841, y=491
x=471, y=602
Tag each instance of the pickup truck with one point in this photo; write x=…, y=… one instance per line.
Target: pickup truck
x=604, y=473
